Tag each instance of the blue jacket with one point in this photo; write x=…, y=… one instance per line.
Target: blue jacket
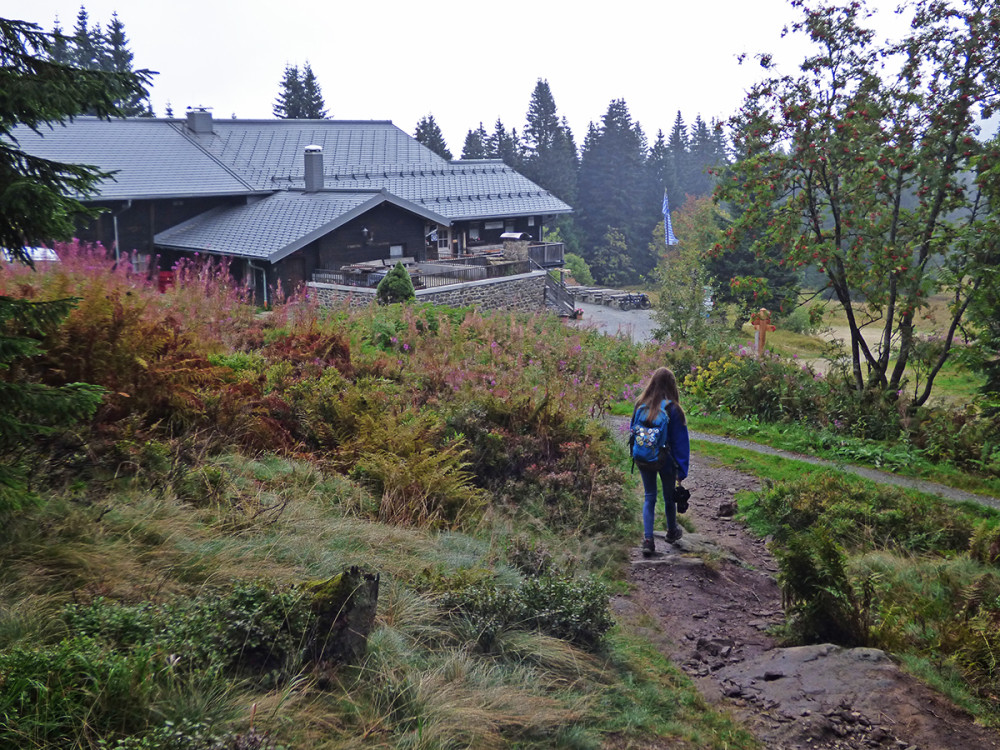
x=677, y=437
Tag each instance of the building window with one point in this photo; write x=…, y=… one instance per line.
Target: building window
x=474, y=234
x=140, y=262
x=395, y=251
x=531, y=221
x=493, y=225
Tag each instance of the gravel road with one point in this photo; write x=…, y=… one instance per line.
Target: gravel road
x=636, y=324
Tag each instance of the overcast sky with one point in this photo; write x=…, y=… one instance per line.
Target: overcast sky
x=462, y=61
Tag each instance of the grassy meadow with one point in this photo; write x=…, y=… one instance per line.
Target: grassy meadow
x=161, y=562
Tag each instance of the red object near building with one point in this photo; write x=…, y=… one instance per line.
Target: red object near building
x=166, y=280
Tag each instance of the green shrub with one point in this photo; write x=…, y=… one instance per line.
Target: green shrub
x=578, y=269
x=572, y=609
x=962, y=437
x=186, y=735
x=252, y=629
x=765, y=388
x=397, y=286
x=863, y=516
x=823, y=603
x=802, y=320
x=61, y=695
x=871, y=414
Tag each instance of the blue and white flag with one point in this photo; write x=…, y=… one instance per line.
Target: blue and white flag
x=668, y=229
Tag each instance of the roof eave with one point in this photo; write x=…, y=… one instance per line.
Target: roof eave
x=173, y=196
x=508, y=214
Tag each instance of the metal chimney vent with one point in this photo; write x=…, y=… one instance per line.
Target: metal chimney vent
x=199, y=120
x=314, y=168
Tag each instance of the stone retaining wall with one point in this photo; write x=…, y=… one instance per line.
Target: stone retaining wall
x=523, y=293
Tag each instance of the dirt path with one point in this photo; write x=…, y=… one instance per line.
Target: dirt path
x=713, y=598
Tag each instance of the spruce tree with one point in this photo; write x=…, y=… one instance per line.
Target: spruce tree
x=38, y=201
x=30, y=409
x=702, y=158
x=290, y=102
x=504, y=145
x=678, y=162
x=59, y=50
x=614, y=191
x=90, y=49
x=543, y=122
x=87, y=43
x=313, y=106
x=549, y=154
x=117, y=58
x=475, y=143
x=39, y=198
x=429, y=134
x=658, y=164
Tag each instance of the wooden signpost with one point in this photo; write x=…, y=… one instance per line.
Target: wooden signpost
x=761, y=322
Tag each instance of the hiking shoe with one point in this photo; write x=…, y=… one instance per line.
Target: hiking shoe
x=675, y=535
x=648, y=547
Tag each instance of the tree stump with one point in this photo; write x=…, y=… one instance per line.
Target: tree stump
x=344, y=608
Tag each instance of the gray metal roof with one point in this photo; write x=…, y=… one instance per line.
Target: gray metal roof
x=458, y=190
x=152, y=159
x=157, y=158
x=262, y=149
x=274, y=227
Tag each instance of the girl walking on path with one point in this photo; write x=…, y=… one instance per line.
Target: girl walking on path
x=660, y=396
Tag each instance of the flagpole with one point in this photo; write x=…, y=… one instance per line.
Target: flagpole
x=668, y=228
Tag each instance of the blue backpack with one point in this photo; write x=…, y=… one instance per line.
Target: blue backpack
x=648, y=441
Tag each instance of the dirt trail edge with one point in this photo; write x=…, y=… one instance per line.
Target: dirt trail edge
x=714, y=598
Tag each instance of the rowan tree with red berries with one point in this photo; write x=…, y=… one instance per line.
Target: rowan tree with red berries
x=861, y=164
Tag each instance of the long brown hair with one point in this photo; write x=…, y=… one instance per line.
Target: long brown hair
x=662, y=385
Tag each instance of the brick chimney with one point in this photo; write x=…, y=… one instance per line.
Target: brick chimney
x=199, y=120
x=314, y=168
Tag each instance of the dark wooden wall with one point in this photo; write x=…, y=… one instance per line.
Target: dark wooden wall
x=387, y=225
x=138, y=223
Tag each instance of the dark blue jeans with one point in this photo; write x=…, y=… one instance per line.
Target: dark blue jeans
x=667, y=477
